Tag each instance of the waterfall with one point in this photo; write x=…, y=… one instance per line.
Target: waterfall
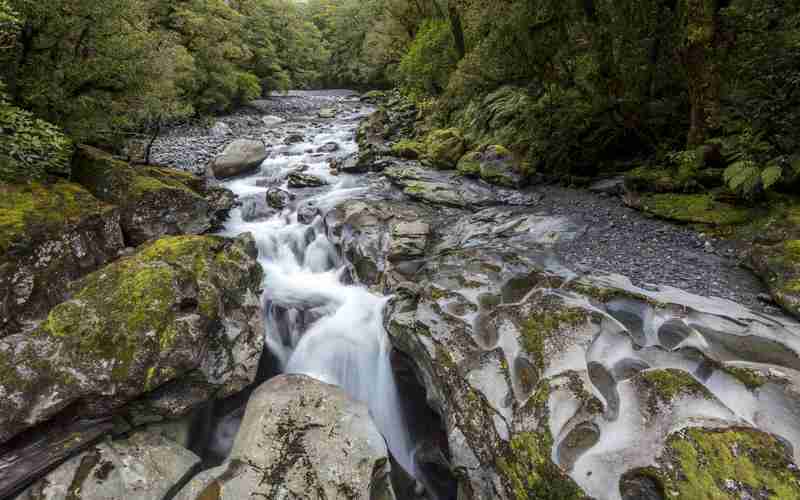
x=315, y=323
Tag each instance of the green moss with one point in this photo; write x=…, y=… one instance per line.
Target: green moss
x=540, y=327
x=470, y=164
x=698, y=462
x=752, y=379
x=408, y=149
x=125, y=314
x=663, y=386
x=27, y=210
x=531, y=474
x=444, y=148
x=648, y=179
x=693, y=208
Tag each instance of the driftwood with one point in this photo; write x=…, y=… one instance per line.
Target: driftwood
x=32, y=454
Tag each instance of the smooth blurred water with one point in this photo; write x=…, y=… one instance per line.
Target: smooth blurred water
x=315, y=324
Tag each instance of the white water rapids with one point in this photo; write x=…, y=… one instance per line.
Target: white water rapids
x=315, y=324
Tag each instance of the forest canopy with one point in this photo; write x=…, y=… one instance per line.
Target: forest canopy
x=574, y=87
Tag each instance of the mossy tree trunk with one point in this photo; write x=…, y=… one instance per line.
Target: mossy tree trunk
x=702, y=71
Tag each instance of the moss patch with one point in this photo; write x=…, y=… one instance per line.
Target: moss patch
x=662, y=387
x=539, y=328
x=693, y=208
x=724, y=464
x=28, y=210
x=527, y=467
x=444, y=148
x=408, y=149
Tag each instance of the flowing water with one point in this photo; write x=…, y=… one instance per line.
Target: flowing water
x=316, y=324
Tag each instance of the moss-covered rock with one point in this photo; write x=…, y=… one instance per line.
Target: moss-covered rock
x=444, y=148
x=154, y=201
x=494, y=164
x=779, y=267
x=727, y=463
x=179, y=304
x=408, y=149
x=50, y=234
x=690, y=208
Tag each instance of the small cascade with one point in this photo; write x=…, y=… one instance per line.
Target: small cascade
x=316, y=324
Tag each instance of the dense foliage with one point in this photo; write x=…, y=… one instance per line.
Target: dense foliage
x=108, y=71
x=580, y=87
x=575, y=88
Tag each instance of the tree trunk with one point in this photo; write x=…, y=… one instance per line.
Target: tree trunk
x=156, y=132
x=701, y=69
x=458, y=30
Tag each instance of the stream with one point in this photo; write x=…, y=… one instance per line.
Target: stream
x=317, y=323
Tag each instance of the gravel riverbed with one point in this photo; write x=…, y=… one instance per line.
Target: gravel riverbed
x=617, y=238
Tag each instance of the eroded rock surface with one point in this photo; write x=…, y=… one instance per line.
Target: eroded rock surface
x=554, y=383
x=300, y=438
x=179, y=305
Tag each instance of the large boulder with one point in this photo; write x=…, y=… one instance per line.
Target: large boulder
x=153, y=201
x=180, y=305
x=300, y=438
x=444, y=148
x=239, y=157
x=50, y=235
x=779, y=265
x=145, y=466
x=495, y=165
x=449, y=189
x=303, y=180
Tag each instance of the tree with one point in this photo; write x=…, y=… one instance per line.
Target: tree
x=702, y=72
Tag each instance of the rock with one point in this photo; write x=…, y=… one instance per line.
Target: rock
x=239, y=157
x=730, y=462
x=535, y=372
x=779, y=267
x=144, y=466
x=495, y=165
x=50, y=235
x=302, y=180
x=256, y=207
x=614, y=186
x=300, y=438
x=410, y=150
x=374, y=96
x=327, y=113
x=272, y=120
x=689, y=208
x=179, y=305
x=329, y=147
x=153, y=201
x=448, y=188
x=294, y=139
x=220, y=129
x=264, y=106
x=444, y=148
x=362, y=229
x=278, y=198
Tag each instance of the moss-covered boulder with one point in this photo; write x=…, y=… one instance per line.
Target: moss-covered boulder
x=689, y=208
x=154, y=201
x=50, y=234
x=779, y=267
x=444, y=148
x=494, y=164
x=725, y=463
x=179, y=305
x=408, y=149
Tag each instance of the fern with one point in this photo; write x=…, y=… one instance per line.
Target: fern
x=743, y=177
x=771, y=175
